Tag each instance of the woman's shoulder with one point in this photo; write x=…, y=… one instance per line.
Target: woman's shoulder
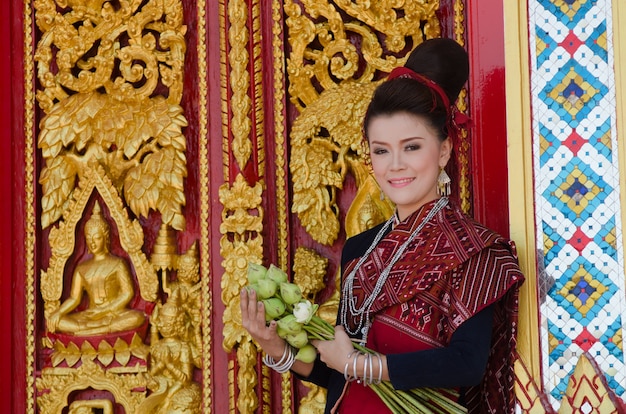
x=357, y=245
x=463, y=230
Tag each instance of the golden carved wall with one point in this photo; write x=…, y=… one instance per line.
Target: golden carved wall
x=126, y=294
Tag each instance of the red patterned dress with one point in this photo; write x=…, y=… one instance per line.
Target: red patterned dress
x=454, y=273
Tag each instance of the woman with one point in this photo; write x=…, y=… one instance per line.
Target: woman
x=431, y=291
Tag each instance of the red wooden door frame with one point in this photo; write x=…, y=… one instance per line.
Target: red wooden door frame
x=12, y=349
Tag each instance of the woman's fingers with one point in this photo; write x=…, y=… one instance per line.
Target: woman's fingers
x=253, y=321
x=253, y=316
x=249, y=303
x=334, y=352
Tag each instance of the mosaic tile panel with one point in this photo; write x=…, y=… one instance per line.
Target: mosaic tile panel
x=579, y=229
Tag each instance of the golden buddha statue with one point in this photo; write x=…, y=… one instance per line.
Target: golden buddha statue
x=106, y=280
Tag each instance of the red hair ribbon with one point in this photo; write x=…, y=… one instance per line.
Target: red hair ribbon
x=454, y=118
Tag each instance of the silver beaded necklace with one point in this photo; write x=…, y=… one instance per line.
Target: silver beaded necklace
x=348, y=302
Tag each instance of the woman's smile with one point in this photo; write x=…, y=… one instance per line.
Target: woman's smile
x=400, y=182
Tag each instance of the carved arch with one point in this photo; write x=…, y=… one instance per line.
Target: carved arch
x=62, y=239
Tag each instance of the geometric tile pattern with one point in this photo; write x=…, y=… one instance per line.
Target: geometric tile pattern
x=576, y=181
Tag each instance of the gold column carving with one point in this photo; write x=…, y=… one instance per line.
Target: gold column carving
x=280, y=130
x=280, y=164
x=206, y=305
x=242, y=216
x=30, y=225
x=241, y=242
x=240, y=124
x=462, y=152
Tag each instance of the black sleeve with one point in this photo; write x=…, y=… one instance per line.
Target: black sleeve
x=461, y=364
x=320, y=375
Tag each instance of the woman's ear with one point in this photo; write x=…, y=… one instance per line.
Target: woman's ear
x=445, y=152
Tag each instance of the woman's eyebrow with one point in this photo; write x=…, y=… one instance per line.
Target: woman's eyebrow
x=402, y=141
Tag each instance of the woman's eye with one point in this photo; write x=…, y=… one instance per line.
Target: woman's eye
x=379, y=151
x=412, y=147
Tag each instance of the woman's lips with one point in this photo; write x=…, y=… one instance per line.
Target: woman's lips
x=400, y=182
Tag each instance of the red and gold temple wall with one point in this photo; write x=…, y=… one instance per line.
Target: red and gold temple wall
x=194, y=137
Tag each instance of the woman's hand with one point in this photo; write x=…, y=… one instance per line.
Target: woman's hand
x=253, y=321
x=334, y=353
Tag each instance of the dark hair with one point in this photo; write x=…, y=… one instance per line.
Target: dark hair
x=442, y=60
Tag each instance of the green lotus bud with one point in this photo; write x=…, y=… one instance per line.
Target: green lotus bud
x=304, y=311
x=298, y=340
x=256, y=272
x=290, y=293
x=276, y=274
x=274, y=308
x=266, y=288
x=307, y=353
x=253, y=286
x=289, y=324
x=281, y=332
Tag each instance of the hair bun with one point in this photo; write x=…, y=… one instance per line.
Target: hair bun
x=444, y=61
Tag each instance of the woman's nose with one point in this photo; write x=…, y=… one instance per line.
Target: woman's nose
x=397, y=162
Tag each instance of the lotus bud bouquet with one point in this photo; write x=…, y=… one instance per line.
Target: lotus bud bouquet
x=298, y=323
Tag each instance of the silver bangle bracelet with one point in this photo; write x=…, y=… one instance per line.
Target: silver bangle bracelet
x=354, y=373
x=284, y=364
x=347, y=377
x=370, y=380
x=380, y=369
x=365, y=365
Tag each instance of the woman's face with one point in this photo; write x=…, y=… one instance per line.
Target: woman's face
x=406, y=157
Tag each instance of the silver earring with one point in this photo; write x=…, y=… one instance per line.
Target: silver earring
x=382, y=196
x=443, y=183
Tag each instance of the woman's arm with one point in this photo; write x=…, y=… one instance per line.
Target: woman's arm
x=462, y=363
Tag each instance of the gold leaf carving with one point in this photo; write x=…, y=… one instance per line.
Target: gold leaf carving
x=126, y=51
x=122, y=352
x=111, y=83
x=325, y=139
x=105, y=353
x=87, y=351
x=139, y=144
x=72, y=353
x=309, y=269
x=323, y=52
